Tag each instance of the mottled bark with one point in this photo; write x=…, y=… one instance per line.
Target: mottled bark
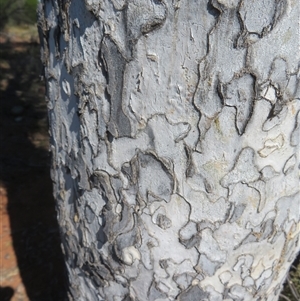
x=175, y=139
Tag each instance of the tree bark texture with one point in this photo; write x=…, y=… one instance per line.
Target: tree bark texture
x=175, y=131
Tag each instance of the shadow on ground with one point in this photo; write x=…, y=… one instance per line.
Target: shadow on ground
x=25, y=176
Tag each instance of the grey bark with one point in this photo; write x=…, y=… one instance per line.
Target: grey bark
x=175, y=140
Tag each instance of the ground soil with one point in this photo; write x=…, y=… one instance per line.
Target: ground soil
x=31, y=261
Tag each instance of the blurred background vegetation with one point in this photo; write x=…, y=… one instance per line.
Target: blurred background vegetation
x=17, y=12
x=23, y=125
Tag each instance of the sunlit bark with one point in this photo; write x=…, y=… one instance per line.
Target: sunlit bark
x=175, y=138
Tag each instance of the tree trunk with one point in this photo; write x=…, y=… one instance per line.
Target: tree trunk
x=175, y=132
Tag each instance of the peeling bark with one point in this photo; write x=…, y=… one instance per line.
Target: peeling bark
x=175, y=140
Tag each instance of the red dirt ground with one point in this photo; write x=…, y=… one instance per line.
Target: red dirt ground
x=31, y=262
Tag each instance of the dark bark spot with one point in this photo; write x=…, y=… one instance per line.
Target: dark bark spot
x=193, y=293
x=212, y=10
